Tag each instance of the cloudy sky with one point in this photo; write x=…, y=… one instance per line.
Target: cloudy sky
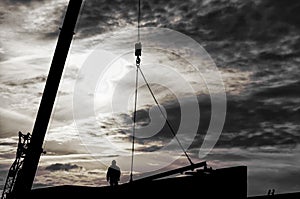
x=250, y=52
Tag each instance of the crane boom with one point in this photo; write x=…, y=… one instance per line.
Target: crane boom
x=26, y=174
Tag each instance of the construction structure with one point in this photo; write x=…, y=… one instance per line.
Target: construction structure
x=201, y=183
x=23, y=144
x=204, y=183
x=21, y=183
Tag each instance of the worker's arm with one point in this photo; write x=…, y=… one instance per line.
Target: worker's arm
x=107, y=174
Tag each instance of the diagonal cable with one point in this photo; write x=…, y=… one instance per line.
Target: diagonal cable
x=165, y=117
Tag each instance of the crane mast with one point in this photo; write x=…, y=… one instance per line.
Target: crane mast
x=21, y=186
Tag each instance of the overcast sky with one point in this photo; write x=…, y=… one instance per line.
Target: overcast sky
x=253, y=45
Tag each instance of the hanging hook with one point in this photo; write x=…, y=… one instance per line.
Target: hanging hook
x=138, y=52
x=138, y=61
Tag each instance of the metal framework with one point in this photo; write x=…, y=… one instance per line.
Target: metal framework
x=22, y=172
x=8, y=191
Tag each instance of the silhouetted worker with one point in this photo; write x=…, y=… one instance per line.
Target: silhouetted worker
x=273, y=192
x=113, y=174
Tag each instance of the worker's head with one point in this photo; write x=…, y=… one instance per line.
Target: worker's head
x=113, y=162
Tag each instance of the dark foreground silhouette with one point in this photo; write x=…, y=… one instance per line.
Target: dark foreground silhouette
x=295, y=195
x=212, y=184
x=221, y=183
x=215, y=184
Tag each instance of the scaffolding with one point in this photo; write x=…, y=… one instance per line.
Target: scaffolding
x=8, y=191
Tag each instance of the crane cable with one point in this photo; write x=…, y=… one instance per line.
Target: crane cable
x=138, y=50
x=165, y=117
x=139, y=21
x=134, y=118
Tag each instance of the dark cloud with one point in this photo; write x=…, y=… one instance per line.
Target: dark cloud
x=28, y=81
x=250, y=122
x=165, y=134
x=62, y=167
x=102, y=16
x=253, y=122
x=72, y=146
x=21, y=1
x=289, y=90
x=214, y=20
x=2, y=16
x=149, y=148
x=249, y=20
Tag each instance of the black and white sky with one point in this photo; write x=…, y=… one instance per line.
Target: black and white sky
x=253, y=43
